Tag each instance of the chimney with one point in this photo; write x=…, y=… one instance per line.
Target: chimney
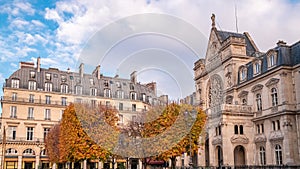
x=133, y=77
x=97, y=72
x=38, y=64
x=81, y=70
x=281, y=43
x=68, y=70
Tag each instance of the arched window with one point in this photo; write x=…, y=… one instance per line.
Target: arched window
x=258, y=102
x=64, y=88
x=244, y=101
x=236, y=129
x=278, y=154
x=262, y=155
x=28, y=151
x=241, y=129
x=274, y=97
x=11, y=151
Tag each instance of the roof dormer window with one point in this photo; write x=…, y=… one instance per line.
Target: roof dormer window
x=257, y=67
x=243, y=73
x=272, y=59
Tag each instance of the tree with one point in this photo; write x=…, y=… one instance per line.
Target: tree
x=74, y=138
x=166, y=121
x=52, y=144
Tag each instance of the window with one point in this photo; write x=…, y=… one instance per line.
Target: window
x=15, y=83
x=31, y=98
x=12, y=132
x=92, y=82
x=243, y=73
x=28, y=151
x=48, y=87
x=30, y=113
x=278, y=124
x=134, y=118
x=93, y=103
x=258, y=129
x=93, y=92
x=13, y=112
x=14, y=97
x=32, y=74
x=78, y=90
x=262, y=155
x=11, y=151
x=120, y=106
x=274, y=97
x=273, y=125
x=278, y=154
x=46, y=131
x=121, y=118
x=64, y=88
x=107, y=103
x=218, y=131
x=258, y=102
x=48, y=76
x=236, y=129
x=120, y=94
x=47, y=114
x=105, y=83
x=133, y=107
x=64, y=101
x=106, y=92
x=241, y=129
x=29, y=135
x=133, y=95
x=272, y=60
x=131, y=86
x=31, y=85
x=257, y=68
x=262, y=128
x=48, y=99
x=144, y=97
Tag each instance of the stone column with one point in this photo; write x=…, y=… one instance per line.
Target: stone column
x=37, y=161
x=100, y=164
x=84, y=164
x=54, y=166
x=20, y=162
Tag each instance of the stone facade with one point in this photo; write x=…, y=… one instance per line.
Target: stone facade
x=251, y=99
x=35, y=98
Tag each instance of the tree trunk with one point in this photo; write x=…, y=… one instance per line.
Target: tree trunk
x=173, y=162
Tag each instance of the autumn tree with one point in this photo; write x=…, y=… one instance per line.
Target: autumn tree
x=79, y=129
x=177, y=119
x=52, y=144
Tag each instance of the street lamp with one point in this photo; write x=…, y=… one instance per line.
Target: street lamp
x=192, y=114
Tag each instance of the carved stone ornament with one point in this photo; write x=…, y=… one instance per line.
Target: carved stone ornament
x=257, y=87
x=276, y=135
x=239, y=139
x=216, y=92
x=260, y=138
x=217, y=140
x=243, y=94
x=272, y=82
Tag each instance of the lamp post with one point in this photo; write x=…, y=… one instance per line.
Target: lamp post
x=188, y=115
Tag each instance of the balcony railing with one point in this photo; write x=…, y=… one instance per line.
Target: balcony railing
x=22, y=139
x=36, y=101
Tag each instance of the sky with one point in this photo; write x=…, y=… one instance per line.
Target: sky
x=161, y=47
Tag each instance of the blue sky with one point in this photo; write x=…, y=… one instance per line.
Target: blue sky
x=57, y=31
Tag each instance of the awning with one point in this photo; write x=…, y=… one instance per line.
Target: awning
x=155, y=162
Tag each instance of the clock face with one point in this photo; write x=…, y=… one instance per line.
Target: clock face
x=215, y=91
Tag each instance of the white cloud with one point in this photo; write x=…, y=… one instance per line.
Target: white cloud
x=25, y=7
x=18, y=23
x=37, y=23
